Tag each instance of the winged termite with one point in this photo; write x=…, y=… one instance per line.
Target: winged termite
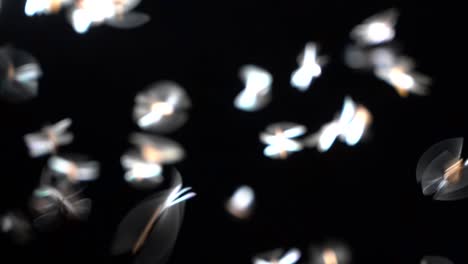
x=441, y=171
x=278, y=256
x=435, y=260
x=54, y=205
x=150, y=230
x=143, y=165
x=19, y=74
x=162, y=107
x=349, y=127
x=403, y=78
x=17, y=226
x=376, y=29
x=281, y=139
x=257, y=91
x=117, y=13
x=49, y=138
x=141, y=173
x=310, y=67
x=241, y=203
x=330, y=253
x=39, y=7
x=75, y=168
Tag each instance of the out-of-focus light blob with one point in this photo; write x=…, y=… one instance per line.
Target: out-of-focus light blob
x=19, y=72
x=39, y=7
x=257, y=91
x=81, y=21
x=401, y=76
x=162, y=108
x=441, y=171
x=277, y=257
x=349, y=127
x=280, y=139
x=16, y=226
x=119, y=14
x=241, y=202
x=335, y=253
x=150, y=229
x=74, y=169
x=49, y=138
x=377, y=29
x=435, y=260
x=310, y=67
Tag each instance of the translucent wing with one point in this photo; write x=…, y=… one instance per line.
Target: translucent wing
x=134, y=223
x=157, y=149
x=432, y=179
x=128, y=20
x=454, y=191
x=160, y=242
x=453, y=146
x=288, y=129
x=80, y=209
x=130, y=4
x=435, y=260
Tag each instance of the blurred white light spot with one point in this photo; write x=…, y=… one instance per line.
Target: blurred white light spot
x=256, y=93
x=310, y=67
x=241, y=202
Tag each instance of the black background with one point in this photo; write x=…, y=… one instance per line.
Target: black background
x=365, y=196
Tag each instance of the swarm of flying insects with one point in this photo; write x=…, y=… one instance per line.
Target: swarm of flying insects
x=58, y=196
x=85, y=14
x=372, y=50
x=149, y=231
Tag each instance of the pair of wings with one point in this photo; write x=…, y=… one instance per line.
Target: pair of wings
x=160, y=241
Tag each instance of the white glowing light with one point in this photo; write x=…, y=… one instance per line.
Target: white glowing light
x=139, y=170
x=310, y=68
x=377, y=29
x=241, y=201
x=158, y=111
x=34, y=7
x=290, y=257
x=257, y=88
x=81, y=21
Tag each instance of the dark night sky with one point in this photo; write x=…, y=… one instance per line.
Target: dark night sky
x=365, y=196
